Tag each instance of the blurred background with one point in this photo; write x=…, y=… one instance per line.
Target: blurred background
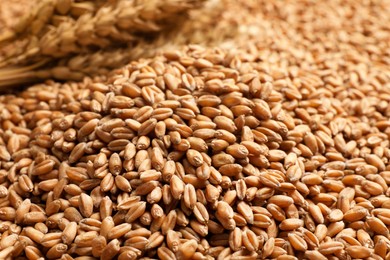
x=70, y=39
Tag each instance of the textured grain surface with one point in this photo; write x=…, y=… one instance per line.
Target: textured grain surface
x=271, y=144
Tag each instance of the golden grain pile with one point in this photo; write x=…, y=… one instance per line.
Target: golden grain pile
x=267, y=141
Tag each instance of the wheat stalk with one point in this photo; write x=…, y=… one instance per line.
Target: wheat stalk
x=110, y=26
x=75, y=68
x=45, y=12
x=41, y=20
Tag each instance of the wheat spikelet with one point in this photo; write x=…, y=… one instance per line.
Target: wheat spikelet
x=44, y=17
x=8, y=11
x=20, y=44
x=43, y=12
x=62, y=29
x=112, y=24
x=75, y=68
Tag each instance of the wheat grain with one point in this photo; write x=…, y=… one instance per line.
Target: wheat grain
x=258, y=151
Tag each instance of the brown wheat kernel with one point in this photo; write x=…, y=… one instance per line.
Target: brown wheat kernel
x=69, y=233
x=225, y=152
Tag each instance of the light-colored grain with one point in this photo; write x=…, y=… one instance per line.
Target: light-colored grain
x=271, y=145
